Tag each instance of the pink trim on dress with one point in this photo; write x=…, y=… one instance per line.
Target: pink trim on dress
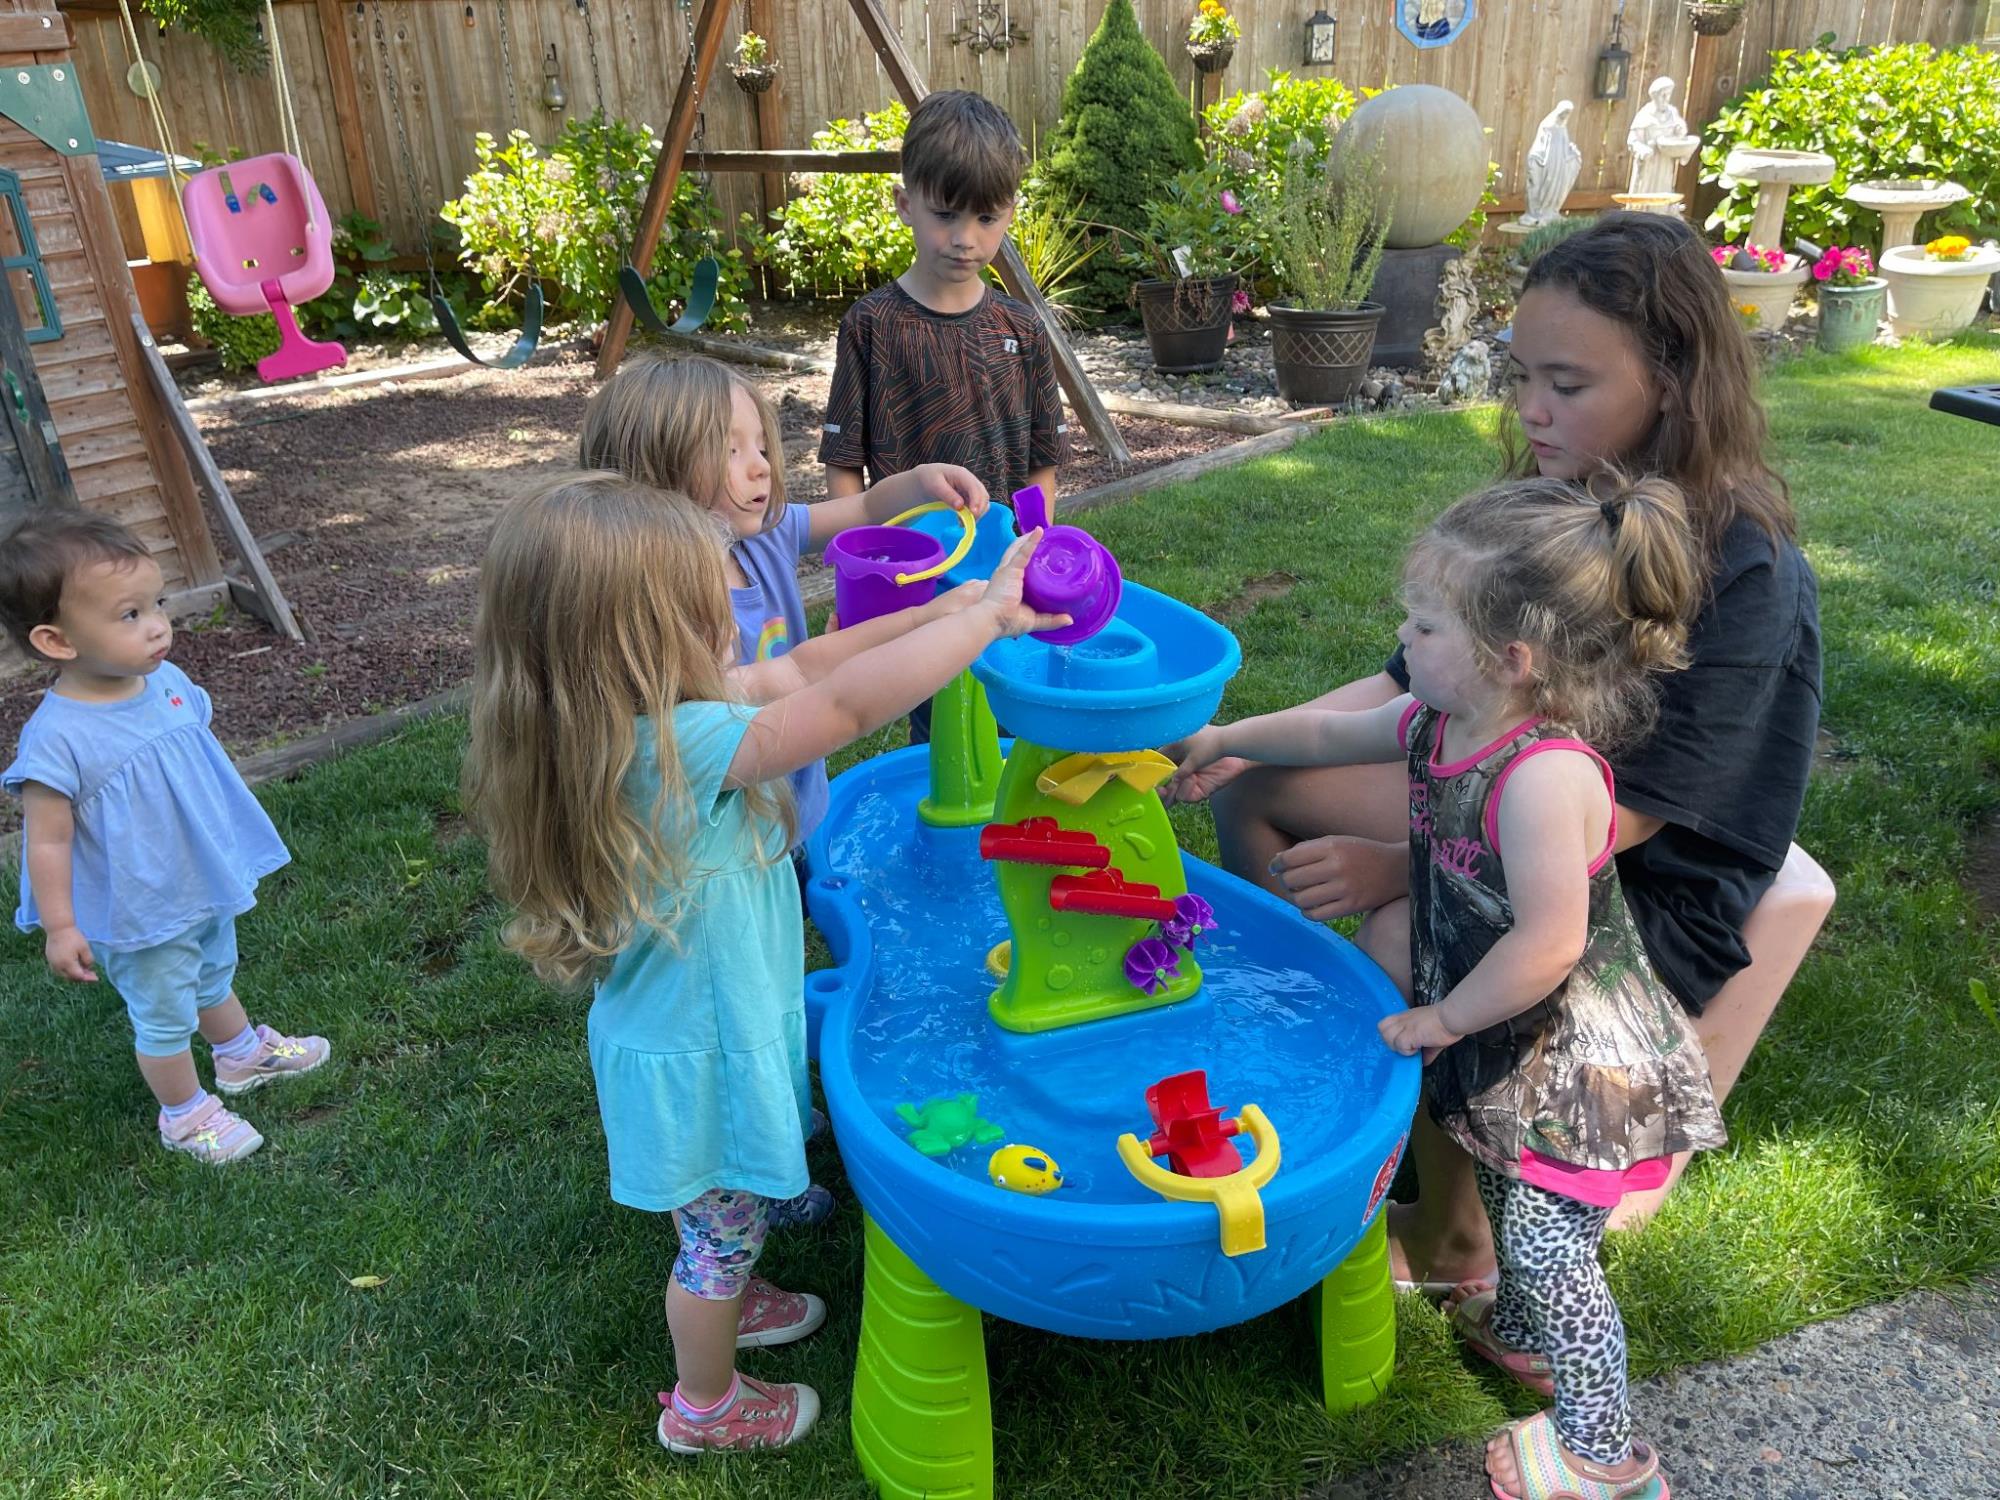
x=1437, y=746
x=1492, y=819
x=1600, y=1186
x=1403, y=724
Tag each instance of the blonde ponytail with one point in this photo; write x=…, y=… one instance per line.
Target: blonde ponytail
x=1600, y=581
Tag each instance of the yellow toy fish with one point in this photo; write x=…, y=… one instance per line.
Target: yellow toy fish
x=1024, y=1169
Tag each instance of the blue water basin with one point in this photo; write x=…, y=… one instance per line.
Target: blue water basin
x=1286, y=1020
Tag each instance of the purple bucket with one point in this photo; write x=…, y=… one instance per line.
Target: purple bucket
x=865, y=561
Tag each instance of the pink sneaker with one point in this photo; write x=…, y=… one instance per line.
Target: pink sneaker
x=210, y=1133
x=770, y=1316
x=277, y=1056
x=761, y=1416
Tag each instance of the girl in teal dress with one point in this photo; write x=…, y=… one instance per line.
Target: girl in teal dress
x=631, y=781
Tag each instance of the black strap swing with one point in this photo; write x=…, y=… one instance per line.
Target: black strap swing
x=523, y=348
x=700, y=301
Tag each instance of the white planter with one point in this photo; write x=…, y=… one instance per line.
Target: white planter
x=1934, y=299
x=1770, y=292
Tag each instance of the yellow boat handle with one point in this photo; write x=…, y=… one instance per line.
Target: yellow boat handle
x=1235, y=1196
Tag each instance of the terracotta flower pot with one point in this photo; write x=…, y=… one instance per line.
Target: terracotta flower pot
x=1935, y=298
x=1321, y=356
x=1187, y=322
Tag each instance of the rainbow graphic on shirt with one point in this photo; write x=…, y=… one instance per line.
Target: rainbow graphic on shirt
x=774, y=639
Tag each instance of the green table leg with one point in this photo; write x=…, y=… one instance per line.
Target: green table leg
x=1356, y=1323
x=923, y=1418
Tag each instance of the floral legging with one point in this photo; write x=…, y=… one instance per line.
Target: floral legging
x=722, y=1234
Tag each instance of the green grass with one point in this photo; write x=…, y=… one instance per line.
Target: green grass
x=168, y=1330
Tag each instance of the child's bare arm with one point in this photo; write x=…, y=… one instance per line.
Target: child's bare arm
x=867, y=690
x=1303, y=736
x=959, y=488
x=811, y=660
x=1046, y=478
x=843, y=483
x=1552, y=824
x=51, y=829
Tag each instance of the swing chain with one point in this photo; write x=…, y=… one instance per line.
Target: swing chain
x=694, y=81
x=507, y=70
x=395, y=90
x=590, y=36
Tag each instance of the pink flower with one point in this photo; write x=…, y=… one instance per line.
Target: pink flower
x=1239, y=301
x=1230, y=205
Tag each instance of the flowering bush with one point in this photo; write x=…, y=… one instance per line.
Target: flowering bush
x=1212, y=23
x=839, y=233
x=568, y=218
x=1251, y=134
x=1948, y=247
x=1194, y=228
x=1843, y=265
x=1749, y=258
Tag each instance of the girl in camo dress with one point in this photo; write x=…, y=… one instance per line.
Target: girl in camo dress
x=1538, y=614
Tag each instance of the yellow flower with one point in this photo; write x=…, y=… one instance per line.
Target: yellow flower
x=1948, y=247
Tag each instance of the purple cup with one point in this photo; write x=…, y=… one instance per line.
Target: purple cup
x=865, y=561
x=1071, y=573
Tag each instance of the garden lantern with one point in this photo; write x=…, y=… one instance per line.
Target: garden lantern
x=1614, y=63
x=553, y=98
x=1319, y=39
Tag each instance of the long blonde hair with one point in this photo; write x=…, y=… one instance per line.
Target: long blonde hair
x=1599, y=580
x=665, y=422
x=601, y=601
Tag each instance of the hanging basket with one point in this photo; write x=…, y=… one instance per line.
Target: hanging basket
x=755, y=78
x=1715, y=17
x=1212, y=57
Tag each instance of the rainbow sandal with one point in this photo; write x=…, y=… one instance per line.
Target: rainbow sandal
x=1473, y=1318
x=1548, y=1473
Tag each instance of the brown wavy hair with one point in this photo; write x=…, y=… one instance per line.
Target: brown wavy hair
x=601, y=602
x=665, y=422
x=1599, y=580
x=1652, y=275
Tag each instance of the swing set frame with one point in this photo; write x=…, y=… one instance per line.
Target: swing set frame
x=909, y=84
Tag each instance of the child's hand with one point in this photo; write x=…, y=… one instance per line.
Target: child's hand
x=68, y=953
x=953, y=600
x=1418, y=1029
x=958, y=488
x=1204, y=769
x=1003, y=591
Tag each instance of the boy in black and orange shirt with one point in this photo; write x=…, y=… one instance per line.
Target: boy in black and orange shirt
x=937, y=367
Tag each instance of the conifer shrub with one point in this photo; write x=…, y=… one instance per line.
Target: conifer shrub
x=1125, y=131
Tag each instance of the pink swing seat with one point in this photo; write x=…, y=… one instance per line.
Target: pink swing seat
x=262, y=243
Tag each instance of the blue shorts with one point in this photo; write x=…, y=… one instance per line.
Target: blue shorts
x=164, y=986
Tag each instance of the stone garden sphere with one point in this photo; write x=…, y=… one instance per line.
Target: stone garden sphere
x=1433, y=159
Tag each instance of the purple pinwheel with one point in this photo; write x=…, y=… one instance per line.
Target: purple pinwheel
x=1192, y=917
x=1150, y=963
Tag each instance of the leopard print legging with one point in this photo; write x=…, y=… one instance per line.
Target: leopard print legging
x=1553, y=1300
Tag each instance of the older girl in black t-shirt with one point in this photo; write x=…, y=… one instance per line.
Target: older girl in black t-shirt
x=1625, y=350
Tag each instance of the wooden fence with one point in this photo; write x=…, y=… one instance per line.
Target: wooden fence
x=348, y=58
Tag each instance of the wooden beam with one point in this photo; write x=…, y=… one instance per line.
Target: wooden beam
x=795, y=161
x=666, y=172
x=270, y=599
x=1076, y=384
x=770, y=112
x=347, y=105
x=35, y=32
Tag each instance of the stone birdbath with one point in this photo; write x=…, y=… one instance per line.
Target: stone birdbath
x=1901, y=201
x=1775, y=173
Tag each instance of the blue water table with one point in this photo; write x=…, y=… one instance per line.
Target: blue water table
x=1080, y=1080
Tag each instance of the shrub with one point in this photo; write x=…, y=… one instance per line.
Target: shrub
x=1056, y=247
x=240, y=341
x=1905, y=111
x=840, y=232
x=568, y=218
x=1124, y=131
x=1326, y=240
x=364, y=299
x=1251, y=133
x=1195, y=227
